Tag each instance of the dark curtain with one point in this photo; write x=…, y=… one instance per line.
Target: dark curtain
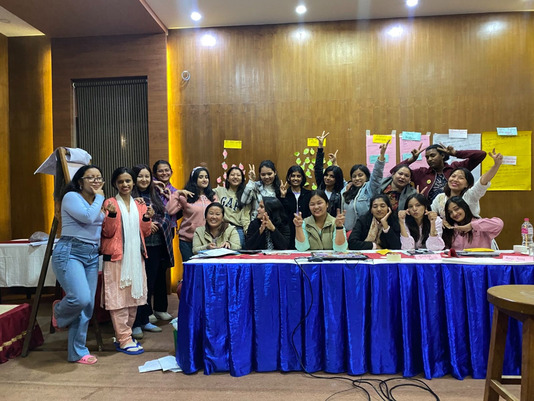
x=112, y=123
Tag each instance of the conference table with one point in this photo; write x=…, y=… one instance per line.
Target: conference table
x=285, y=312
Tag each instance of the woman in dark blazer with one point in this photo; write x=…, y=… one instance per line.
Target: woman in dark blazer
x=377, y=229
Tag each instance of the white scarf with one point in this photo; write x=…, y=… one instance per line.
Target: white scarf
x=132, y=267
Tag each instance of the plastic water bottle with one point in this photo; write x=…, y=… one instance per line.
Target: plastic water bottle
x=526, y=233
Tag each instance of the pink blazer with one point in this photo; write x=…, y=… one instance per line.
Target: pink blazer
x=112, y=243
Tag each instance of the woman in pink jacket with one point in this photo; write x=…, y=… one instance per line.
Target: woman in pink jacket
x=192, y=201
x=125, y=227
x=463, y=230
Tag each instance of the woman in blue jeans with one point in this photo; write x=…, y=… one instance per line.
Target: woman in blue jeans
x=75, y=259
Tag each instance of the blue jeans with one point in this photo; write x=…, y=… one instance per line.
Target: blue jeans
x=75, y=264
x=241, y=233
x=186, y=249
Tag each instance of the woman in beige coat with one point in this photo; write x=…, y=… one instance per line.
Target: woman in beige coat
x=216, y=233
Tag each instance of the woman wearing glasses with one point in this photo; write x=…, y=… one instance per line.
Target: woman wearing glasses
x=75, y=259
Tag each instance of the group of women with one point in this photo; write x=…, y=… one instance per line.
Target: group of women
x=134, y=229
x=133, y=232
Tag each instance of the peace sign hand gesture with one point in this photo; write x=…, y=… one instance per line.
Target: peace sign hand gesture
x=283, y=189
x=251, y=172
x=416, y=153
x=340, y=218
x=321, y=139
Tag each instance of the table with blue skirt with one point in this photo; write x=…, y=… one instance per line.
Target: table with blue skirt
x=411, y=317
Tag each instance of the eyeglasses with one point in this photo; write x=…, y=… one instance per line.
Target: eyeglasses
x=93, y=179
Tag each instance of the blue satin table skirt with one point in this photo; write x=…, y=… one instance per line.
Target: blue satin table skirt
x=241, y=316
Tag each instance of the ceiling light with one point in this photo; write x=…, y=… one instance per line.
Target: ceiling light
x=301, y=9
x=412, y=3
x=5, y=20
x=196, y=16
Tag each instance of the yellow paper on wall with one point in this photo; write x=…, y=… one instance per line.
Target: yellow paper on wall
x=231, y=144
x=314, y=142
x=381, y=138
x=514, y=173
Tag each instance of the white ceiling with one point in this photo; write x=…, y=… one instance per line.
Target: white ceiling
x=175, y=14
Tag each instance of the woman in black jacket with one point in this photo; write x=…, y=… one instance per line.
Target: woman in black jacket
x=269, y=230
x=377, y=229
x=295, y=198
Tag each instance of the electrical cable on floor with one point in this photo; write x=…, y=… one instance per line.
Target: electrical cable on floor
x=381, y=387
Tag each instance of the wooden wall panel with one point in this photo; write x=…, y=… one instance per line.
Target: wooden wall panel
x=30, y=134
x=5, y=201
x=115, y=56
x=274, y=86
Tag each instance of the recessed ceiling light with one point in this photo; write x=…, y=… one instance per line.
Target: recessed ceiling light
x=5, y=20
x=412, y=3
x=196, y=16
x=301, y=9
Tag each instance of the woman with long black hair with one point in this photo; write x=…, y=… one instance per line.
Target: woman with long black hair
x=420, y=227
x=269, y=230
x=192, y=201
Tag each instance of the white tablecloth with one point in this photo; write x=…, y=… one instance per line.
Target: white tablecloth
x=20, y=265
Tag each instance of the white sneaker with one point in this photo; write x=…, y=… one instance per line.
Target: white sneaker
x=163, y=315
x=152, y=328
x=137, y=333
x=152, y=319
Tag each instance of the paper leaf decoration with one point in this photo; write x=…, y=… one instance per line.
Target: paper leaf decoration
x=312, y=151
x=241, y=166
x=306, y=151
x=297, y=154
x=219, y=180
x=298, y=161
x=224, y=165
x=225, y=153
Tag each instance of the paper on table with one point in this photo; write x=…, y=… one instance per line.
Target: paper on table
x=213, y=253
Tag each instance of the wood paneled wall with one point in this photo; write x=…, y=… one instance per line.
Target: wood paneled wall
x=5, y=201
x=30, y=135
x=274, y=86
x=106, y=57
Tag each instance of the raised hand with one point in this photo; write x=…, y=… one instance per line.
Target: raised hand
x=333, y=158
x=417, y=152
x=321, y=139
x=251, y=172
x=297, y=220
x=448, y=149
x=383, y=148
x=340, y=218
x=497, y=157
x=283, y=189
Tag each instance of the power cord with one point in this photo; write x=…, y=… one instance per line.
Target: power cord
x=379, y=386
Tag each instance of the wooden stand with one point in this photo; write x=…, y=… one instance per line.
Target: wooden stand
x=60, y=182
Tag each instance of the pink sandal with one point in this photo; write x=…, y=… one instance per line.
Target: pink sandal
x=54, y=320
x=87, y=360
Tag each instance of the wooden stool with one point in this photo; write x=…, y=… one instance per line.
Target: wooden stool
x=516, y=301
